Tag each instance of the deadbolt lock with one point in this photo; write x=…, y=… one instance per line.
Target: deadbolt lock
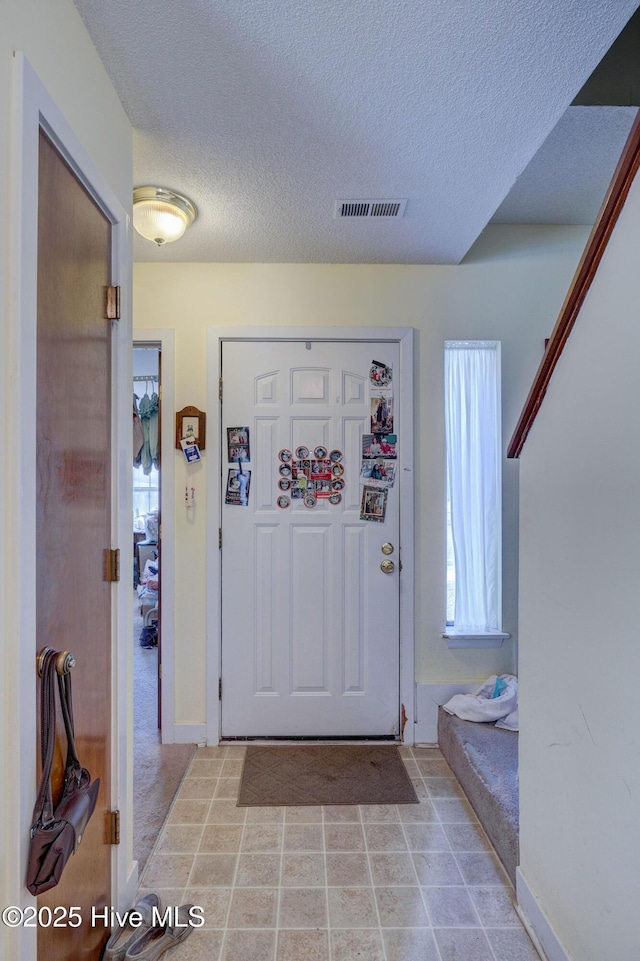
x=387, y=548
x=387, y=567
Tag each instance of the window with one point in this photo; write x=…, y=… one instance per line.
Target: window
x=474, y=486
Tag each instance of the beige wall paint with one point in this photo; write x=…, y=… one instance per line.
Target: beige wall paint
x=579, y=650
x=510, y=288
x=51, y=36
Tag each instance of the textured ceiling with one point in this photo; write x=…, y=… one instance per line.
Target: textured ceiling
x=264, y=112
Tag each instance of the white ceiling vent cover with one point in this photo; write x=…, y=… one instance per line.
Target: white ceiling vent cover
x=369, y=208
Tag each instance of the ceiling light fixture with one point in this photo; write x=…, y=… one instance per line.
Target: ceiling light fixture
x=161, y=215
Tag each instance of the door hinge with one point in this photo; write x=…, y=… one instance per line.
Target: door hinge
x=219, y=688
x=219, y=538
x=160, y=671
x=220, y=388
x=114, y=827
x=111, y=566
x=113, y=303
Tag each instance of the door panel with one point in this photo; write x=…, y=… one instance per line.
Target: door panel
x=73, y=602
x=310, y=623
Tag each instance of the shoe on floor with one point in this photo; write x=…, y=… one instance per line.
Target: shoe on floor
x=123, y=937
x=155, y=941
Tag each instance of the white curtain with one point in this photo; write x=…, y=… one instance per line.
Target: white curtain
x=472, y=395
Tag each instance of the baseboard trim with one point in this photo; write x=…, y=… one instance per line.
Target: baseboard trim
x=537, y=923
x=428, y=699
x=185, y=734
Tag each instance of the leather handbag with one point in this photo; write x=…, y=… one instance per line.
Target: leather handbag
x=57, y=833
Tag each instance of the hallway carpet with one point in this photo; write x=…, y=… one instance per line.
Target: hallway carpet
x=158, y=769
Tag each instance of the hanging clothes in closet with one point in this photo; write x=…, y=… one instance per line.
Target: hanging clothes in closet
x=138, y=434
x=148, y=412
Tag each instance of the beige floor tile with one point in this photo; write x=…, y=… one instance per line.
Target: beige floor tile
x=302, y=908
x=258, y=870
x=198, y=788
x=303, y=814
x=303, y=946
x=385, y=837
x=221, y=838
x=303, y=870
x=347, y=869
x=407, y=944
x=481, y=868
x=231, y=767
x=225, y=812
x=450, y=907
x=248, y=945
x=511, y=944
x=466, y=837
x=236, y=751
x=343, y=837
x=459, y=812
x=227, y=787
x=495, y=906
x=262, y=837
x=253, y=908
x=351, y=907
x=204, y=767
x=340, y=812
x=268, y=815
x=443, y=787
x=429, y=753
x=356, y=945
x=427, y=837
x=210, y=753
x=379, y=812
x=395, y=868
x=179, y=839
x=424, y=812
x=458, y=943
x=189, y=812
x=168, y=870
x=213, y=870
x=401, y=907
x=437, y=867
x=303, y=837
x=201, y=945
x=214, y=903
x=429, y=767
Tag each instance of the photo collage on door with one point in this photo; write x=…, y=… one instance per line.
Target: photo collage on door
x=239, y=477
x=307, y=475
x=379, y=447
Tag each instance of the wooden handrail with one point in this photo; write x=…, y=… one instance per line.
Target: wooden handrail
x=596, y=245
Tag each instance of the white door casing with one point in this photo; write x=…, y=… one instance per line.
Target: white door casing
x=316, y=640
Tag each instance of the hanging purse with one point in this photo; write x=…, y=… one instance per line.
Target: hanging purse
x=56, y=834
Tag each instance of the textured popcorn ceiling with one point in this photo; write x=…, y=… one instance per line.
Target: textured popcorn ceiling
x=264, y=112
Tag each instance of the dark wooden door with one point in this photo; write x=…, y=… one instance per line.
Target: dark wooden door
x=74, y=512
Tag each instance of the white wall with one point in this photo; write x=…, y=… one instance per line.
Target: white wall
x=579, y=646
x=51, y=36
x=510, y=288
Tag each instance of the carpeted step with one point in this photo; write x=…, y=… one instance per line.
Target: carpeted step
x=484, y=758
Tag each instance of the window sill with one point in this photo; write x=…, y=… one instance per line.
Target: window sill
x=479, y=639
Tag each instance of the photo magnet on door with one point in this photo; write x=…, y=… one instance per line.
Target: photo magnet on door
x=238, y=483
x=238, y=446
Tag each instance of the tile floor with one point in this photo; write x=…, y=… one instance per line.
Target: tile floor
x=370, y=883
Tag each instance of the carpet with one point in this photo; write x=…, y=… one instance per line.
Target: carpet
x=324, y=774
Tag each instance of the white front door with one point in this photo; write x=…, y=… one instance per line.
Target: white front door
x=310, y=620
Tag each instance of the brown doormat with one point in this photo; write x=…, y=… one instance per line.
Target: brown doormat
x=324, y=774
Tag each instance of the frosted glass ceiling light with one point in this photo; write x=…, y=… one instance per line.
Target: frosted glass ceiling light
x=161, y=215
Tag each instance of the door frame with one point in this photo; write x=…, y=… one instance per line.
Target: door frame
x=164, y=339
x=34, y=108
x=404, y=337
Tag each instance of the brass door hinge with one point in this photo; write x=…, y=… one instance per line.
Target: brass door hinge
x=220, y=388
x=219, y=538
x=113, y=303
x=219, y=688
x=111, y=566
x=114, y=827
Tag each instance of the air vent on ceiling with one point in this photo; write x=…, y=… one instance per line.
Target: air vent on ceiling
x=369, y=208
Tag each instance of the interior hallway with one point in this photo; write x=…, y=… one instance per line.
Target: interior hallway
x=381, y=882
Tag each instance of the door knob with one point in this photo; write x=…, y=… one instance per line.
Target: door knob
x=387, y=548
x=387, y=567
